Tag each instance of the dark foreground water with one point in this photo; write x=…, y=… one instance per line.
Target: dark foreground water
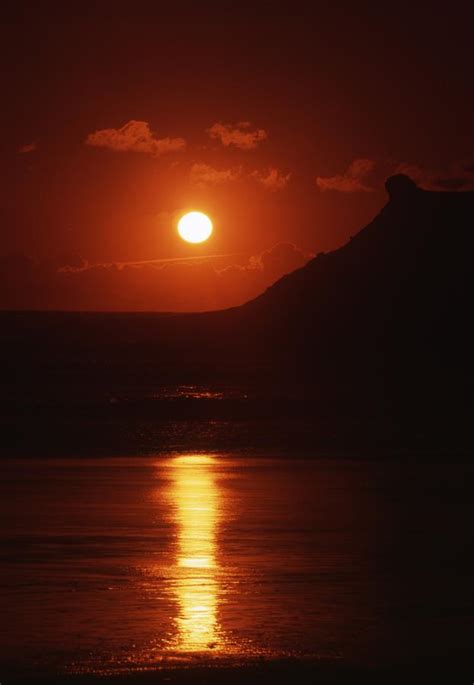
x=131, y=564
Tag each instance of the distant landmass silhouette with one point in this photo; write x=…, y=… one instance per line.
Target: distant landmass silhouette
x=377, y=333
x=389, y=307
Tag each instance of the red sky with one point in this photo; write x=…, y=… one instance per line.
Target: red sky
x=281, y=125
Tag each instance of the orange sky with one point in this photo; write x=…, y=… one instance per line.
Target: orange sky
x=281, y=128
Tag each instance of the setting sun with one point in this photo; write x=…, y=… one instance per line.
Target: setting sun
x=195, y=227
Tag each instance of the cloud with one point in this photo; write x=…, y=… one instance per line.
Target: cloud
x=240, y=135
x=204, y=283
x=28, y=147
x=456, y=177
x=352, y=181
x=273, y=263
x=280, y=259
x=202, y=175
x=134, y=136
x=272, y=178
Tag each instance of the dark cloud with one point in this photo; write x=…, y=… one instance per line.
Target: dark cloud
x=450, y=183
x=456, y=177
x=353, y=180
x=27, y=148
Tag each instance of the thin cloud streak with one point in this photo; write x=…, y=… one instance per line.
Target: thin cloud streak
x=169, y=260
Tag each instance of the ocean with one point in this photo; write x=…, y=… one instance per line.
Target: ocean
x=135, y=563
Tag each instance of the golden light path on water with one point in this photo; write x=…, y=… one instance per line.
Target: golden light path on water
x=195, y=498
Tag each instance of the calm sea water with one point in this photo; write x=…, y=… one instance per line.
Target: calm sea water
x=121, y=564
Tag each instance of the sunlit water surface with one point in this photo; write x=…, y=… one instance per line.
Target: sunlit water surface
x=139, y=563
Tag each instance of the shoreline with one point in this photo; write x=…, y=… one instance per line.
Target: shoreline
x=269, y=673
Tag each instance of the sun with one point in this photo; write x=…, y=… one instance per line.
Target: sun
x=195, y=227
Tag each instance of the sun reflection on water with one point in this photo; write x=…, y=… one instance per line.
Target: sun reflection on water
x=195, y=499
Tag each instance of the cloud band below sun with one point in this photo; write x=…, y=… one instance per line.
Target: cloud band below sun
x=183, y=284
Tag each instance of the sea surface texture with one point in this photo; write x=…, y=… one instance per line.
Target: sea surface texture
x=137, y=563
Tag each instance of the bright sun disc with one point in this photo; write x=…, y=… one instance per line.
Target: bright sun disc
x=195, y=227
